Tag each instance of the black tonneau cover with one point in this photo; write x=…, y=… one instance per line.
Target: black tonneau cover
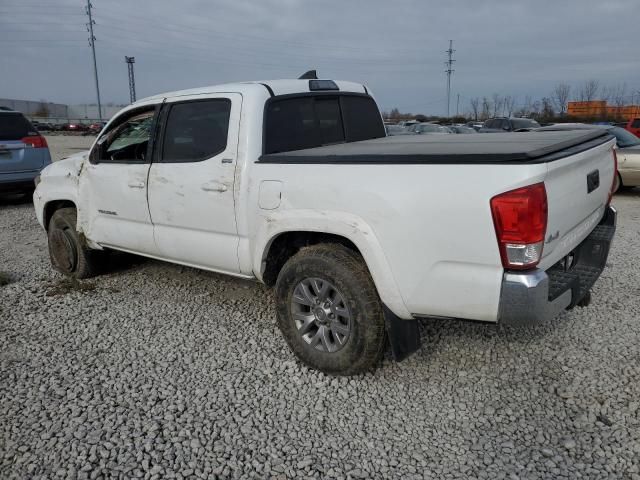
x=518, y=147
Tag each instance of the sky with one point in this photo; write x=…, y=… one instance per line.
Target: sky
x=397, y=48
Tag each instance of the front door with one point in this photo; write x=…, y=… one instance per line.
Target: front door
x=191, y=182
x=113, y=185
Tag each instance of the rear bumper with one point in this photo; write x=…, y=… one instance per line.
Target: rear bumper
x=536, y=295
x=17, y=182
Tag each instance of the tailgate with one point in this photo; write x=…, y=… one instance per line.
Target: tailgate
x=16, y=157
x=577, y=192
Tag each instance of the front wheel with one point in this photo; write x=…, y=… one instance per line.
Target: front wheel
x=329, y=311
x=68, y=252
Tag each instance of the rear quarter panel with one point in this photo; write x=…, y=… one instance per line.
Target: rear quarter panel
x=426, y=231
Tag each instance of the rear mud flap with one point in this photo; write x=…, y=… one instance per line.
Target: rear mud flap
x=404, y=335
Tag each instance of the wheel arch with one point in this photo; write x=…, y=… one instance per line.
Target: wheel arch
x=277, y=245
x=284, y=245
x=51, y=207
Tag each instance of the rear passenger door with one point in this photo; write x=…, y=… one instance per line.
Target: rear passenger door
x=191, y=182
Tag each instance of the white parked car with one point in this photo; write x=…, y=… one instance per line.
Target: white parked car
x=294, y=183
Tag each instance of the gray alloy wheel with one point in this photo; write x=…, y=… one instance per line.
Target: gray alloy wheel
x=321, y=315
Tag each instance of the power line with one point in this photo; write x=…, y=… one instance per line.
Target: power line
x=92, y=42
x=137, y=20
x=449, y=71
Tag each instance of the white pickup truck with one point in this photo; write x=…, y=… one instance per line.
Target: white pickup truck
x=293, y=183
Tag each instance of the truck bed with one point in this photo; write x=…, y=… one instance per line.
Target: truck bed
x=484, y=148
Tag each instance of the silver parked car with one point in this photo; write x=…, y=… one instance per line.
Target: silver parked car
x=393, y=130
x=23, y=153
x=462, y=129
x=430, y=129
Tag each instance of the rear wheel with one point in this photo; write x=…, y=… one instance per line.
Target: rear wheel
x=329, y=311
x=67, y=250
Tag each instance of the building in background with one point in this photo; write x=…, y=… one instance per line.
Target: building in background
x=600, y=109
x=58, y=112
x=36, y=108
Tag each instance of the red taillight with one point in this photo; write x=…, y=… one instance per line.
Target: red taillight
x=36, y=141
x=520, y=220
x=614, y=183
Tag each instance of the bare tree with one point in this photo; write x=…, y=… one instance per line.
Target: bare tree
x=509, y=104
x=619, y=95
x=535, y=108
x=560, y=97
x=475, y=107
x=547, y=108
x=606, y=93
x=486, y=108
x=497, y=104
x=525, y=110
x=589, y=91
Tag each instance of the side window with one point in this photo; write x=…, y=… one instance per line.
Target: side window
x=128, y=141
x=196, y=130
x=635, y=123
x=362, y=119
x=491, y=124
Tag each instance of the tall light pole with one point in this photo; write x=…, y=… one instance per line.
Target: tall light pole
x=132, y=79
x=92, y=40
x=449, y=71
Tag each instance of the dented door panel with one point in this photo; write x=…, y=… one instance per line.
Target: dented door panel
x=192, y=202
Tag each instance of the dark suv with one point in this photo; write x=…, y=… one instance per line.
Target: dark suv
x=505, y=124
x=23, y=153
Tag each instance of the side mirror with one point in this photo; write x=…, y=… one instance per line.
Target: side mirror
x=99, y=149
x=94, y=154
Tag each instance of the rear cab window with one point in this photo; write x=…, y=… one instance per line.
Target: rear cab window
x=312, y=120
x=15, y=126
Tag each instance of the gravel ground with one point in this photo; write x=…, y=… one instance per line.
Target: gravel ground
x=161, y=371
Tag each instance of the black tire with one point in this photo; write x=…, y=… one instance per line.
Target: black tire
x=346, y=270
x=67, y=250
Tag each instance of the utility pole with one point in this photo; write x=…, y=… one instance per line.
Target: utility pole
x=92, y=41
x=449, y=71
x=458, y=106
x=132, y=79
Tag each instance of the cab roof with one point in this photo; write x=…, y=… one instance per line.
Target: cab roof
x=278, y=87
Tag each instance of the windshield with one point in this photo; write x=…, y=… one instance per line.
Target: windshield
x=519, y=123
x=624, y=138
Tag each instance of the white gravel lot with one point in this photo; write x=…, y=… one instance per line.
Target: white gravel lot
x=161, y=371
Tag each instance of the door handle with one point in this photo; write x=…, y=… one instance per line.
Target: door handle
x=214, y=187
x=133, y=184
